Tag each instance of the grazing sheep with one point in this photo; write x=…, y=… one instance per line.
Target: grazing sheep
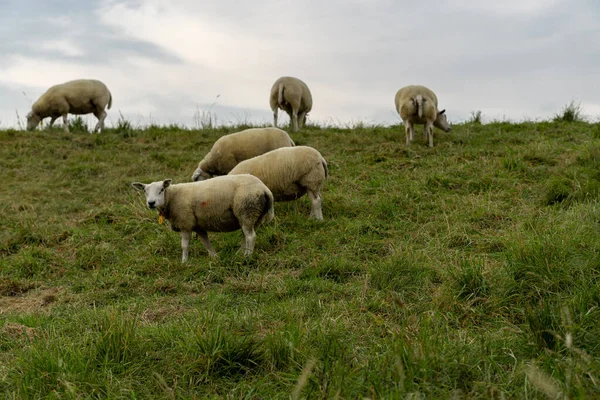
x=419, y=105
x=289, y=173
x=78, y=97
x=292, y=96
x=222, y=204
x=230, y=149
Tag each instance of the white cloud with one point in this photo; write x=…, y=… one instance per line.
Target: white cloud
x=63, y=46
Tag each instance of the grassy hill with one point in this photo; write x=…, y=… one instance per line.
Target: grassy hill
x=468, y=269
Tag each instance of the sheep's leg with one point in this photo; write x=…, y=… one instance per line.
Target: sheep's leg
x=429, y=130
x=275, y=115
x=249, y=240
x=65, y=123
x=301, y=119
x=409, y=132
x=315, y=211
x=185, y=245
x=295, y=120
x=204, y=238
x=52, y=121
x=101, y=115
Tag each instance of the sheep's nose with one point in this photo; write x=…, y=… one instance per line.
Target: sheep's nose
x=151, y=204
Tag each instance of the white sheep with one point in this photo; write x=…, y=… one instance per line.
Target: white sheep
x=419, y=105
x=292, y=96
x=222, y=204
x=230, y=149
x=289, y=173
x=78, y=97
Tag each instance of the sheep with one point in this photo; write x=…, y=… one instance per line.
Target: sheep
x=292, y=96
x=230, y=149
x=419, y=105
x=289, y=173
x=78, y=97
x=222, y=204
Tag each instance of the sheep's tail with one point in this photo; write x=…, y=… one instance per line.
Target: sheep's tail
x=280, y=94
x=109, y=100
x=419, y=105
x=324, y=164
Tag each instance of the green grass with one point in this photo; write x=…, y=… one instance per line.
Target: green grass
x=469, y=269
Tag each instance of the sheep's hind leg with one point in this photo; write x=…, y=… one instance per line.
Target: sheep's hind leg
x=249, y=240
x=409, y=132
x=204, y=238
x=295, y=120
x=52, y=122
x=275, y=115
x=185, y=245
x=428, y=132
x=301, y=119
x=101, y=115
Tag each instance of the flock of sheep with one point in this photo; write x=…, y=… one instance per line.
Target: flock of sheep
x=244, y=173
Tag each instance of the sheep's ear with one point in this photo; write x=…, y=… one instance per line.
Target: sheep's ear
x=443, y=111
x=138, y=185
x=29, y=114
x=166, y=183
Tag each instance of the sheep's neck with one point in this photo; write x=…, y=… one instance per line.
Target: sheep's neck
x=163, y=212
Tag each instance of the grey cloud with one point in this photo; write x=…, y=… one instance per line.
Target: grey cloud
x=358, y=52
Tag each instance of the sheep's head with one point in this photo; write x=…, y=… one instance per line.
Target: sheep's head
x=442, y=122
x=32, y=120
x=155, y=192
x=200, y=175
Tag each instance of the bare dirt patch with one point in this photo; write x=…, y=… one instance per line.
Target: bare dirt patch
x=32, y=301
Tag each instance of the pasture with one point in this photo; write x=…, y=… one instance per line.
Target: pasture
x=468, y=269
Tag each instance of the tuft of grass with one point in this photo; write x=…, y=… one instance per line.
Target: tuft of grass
x=78, y=124
x=225, y=355
x=572, y=112
x=476, y=118
x=124, y=127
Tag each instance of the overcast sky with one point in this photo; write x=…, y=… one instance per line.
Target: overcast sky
x=165, y=60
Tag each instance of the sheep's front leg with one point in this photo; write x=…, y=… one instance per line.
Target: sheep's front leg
x=315, y=211
x=52, y=121
x=185, y=245
x=275, y=115
x=249, y=240
x=65, y=123
x=204, y=238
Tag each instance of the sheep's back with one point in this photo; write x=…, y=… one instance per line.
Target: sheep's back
x=281, y=169
x=243, y=145
x=207, y=205
x=81, y=95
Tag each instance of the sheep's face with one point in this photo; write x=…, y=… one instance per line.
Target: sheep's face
x=442, y=122
x=155, y=192
x=200, y=175
x=32, y=120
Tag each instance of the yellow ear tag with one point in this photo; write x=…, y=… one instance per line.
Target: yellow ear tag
x=160, y=218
